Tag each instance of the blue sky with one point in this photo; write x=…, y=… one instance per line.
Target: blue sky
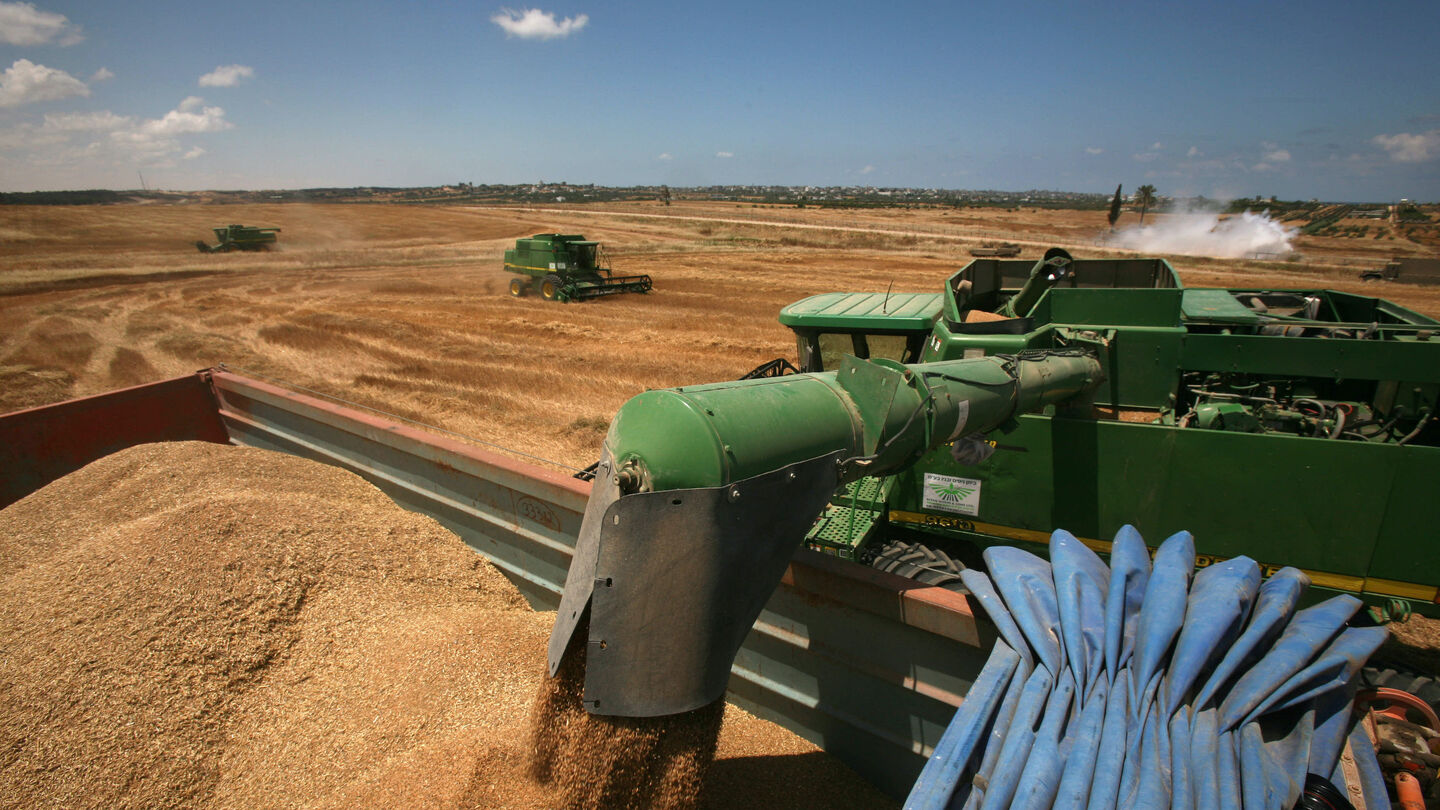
x=1338, y=101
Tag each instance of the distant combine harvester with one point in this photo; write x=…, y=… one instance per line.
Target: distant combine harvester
x=239, y=237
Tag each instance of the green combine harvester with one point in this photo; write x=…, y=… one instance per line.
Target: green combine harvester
x=239, y=237
x=927, y=432
x=566, y=267
x=1298, y=427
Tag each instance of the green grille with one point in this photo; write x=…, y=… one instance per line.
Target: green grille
x=851, y=515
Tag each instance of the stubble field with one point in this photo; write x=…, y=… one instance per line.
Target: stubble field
x=404, y=309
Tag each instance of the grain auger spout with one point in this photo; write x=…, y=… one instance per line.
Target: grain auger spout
x=1049, y=271
x=704, y=493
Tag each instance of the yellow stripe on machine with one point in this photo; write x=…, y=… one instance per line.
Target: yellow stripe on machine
x=1403, y=590
x=1339, y=582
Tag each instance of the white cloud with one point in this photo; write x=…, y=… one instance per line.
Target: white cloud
x=23, y=24
x=532, y=23
x=1149, y=154
x=156, y=141
x=182, y=121
x=103, y=121
x=86, y=142
x=1194, y=152
x=1407, y=148
x=25, y=82
x=103, y=74
x=1094, y=150
x=1273, y=157
x=227, y=76
x=20, y=137
x=724, y=154
x=664, y=156
x=868, y=169
x=1274, y=154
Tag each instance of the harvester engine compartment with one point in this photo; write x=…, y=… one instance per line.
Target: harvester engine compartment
x=1361, y=410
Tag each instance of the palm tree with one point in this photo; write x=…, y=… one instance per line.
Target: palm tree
x=1115, y=208
x=1144, y=197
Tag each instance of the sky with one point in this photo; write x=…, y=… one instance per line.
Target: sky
x=1338, y=101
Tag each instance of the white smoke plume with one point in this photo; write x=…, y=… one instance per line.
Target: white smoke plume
x=1203, y=233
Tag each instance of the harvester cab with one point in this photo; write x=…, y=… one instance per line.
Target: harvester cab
x=566, y=267
x=239, y=237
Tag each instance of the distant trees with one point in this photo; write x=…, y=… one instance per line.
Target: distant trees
x=1144, y=197
x=1115, y=208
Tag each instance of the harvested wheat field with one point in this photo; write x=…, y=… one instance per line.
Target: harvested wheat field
x=196, y=625
x=404, y=309
x=210, y=630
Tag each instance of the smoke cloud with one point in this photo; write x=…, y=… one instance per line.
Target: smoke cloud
x=1203, y=233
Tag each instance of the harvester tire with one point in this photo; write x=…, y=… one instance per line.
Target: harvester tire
x=922, y=563
x=1385, y=674
x=519, y=287
x=550, y=287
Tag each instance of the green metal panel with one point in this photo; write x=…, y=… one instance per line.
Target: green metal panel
x=1216, y=305
x=1083, y=307
x=1410, y=527
x=955, y=345
x=1275, y=498
x=864, y=312
x=992, y=275
x=1141, y=368
x=1314, y=357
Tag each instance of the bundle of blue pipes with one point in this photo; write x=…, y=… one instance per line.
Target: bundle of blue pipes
x=1151, y=685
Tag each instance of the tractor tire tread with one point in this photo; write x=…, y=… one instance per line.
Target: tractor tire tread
x=1424, y=687
x=920, y=563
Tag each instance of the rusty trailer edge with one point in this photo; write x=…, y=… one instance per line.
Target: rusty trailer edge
x=865, y=664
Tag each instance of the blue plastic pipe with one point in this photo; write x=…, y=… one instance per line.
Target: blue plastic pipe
x=1219, y=604
x=1129, y=574
x=1074, y=790
x=957, y=746
x=1027, y=584
x=1081, y=582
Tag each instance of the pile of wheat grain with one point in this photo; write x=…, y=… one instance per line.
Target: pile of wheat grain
x=194, y=625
